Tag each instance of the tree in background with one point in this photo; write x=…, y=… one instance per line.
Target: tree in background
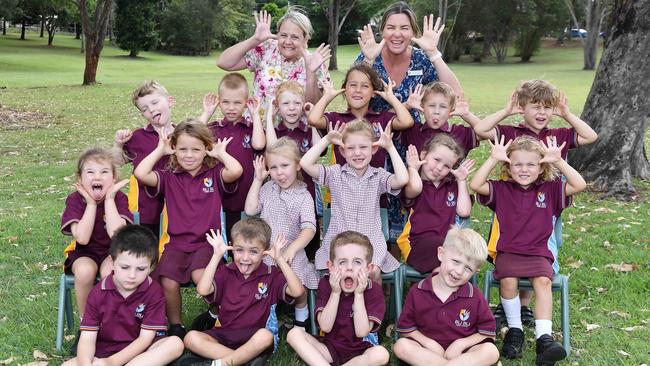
x=618, y=106
x=187, y=27
x=594, y=13
x=94, y=31
x=7, y=8
x=534, y=19
x=135, y=25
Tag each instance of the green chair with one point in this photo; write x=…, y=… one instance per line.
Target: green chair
x=64, y=311
x=560, y=283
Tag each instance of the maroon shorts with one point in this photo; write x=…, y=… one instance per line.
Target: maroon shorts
x=424, y=252
x=522, y=266
x=97, y=256
x=115, y=348
x=342, y=353
x=233, y=338
x=178, y=265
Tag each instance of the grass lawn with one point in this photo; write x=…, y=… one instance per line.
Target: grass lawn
x=610, y=311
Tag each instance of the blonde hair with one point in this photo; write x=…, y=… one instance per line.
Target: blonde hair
x=531, y=144
x=537, y=91
x=400, y=7
x=351, y=237
x=442, y=139
x=252, y=228
x=361, y=126
x=233, y=81
x=286, y=147
x=439, y=87
x=99, y=155
x=146, y=88
x=198, y=130
x=296, y=15
x=291, y=86
x=467, y=242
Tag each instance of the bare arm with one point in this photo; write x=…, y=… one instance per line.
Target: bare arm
x=362, y=325
x=258, y=140
x=414, y=186
x=485, y=129
x=210, y=103
x=83, y=229
x=232, y=170
x=401, y=176
x=316, y=116
x=479, y=183
x=135, y=348
x=232, y=59
x=309, y=160
x=205, y=286
x=86, y=348
x=252, y=204
x=464, y=204
x=271, y=136
x=553, y=155
x=586, y=135
x=327, y=316
x=294, y=286
x=144, y=171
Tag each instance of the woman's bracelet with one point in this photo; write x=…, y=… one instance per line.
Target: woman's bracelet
x=435, y=57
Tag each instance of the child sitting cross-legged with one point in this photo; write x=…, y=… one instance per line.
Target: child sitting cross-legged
x=446, y=320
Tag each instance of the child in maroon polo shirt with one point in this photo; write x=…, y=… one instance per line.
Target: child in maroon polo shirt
x=246, y=132
x=526, y=207
x=244, y=290
x=445, y=318
x=437, y=199
x=438, y=102
x=192, y=189
x=125, y=319
x=92, y=215
x=349, y=306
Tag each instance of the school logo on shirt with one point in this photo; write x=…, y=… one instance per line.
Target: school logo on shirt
x=304, y=145
x=139, y=311
x=541, y=197
x=207, y=185
x=451, y=199
x=246, y=142
x=262, y=289
x=463, y=317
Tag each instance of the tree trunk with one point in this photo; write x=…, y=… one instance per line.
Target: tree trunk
x=94, y=34
x=593, y=13
x=77, y=31
x=4, y=26
x=333, y=11
x=22, y=31
x=618, y=104
x=42, y=25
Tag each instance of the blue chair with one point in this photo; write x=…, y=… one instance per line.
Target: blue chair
x=560, y=283
x=64, y=310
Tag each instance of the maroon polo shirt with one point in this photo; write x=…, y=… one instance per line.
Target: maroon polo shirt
x=193, y=205
x=143, y=141
x=342, y=332
x=419, y=134
x=567, y=134
x=524, y=218
x=118, y=320
x=99, y=242
x=241, y=149
x=464, y=313
x=382, y=118
x=303, y=137
x=245, y=303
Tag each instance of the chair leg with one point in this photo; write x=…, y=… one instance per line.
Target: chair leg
x=566, y=338
x=487, y=284
x=311, y=300
x=69, y=316
x=399, y=292
x=61, y=310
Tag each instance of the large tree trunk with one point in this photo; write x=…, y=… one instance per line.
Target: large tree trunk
x=94, y=34
x=618, y=106
x=4, y=26
x=593, y=13
x=42, y=25
x=22, y=31
x=333, y=11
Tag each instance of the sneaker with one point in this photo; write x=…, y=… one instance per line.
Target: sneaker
x=75, y=343
x=499, y=315
x=548, y=351
x=527, y=316
x=513, y=343
x=176, y=330
x=203, y=321
x=192, y=359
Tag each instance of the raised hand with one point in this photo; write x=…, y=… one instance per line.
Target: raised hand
x=219, y=148
x=552, y=152
x=122, y=136
x=464, y=170
x=461, y=108
x=414, y=100
x=328, y=90
x=210, y=103
x=513, y=105
x=288, y=255
x=362, y=281
x=499, y=149
x=385, y=138
x=562, y=108
x=335, y=134
x=387, y=93
x=335, y=280
x=164, y=142
x=369, y=47
x=110, y=194
x=253, y=105
x=431, y=33
x=84, y=193
x=314, y=60
x=263, y=26
x=276, y=248
x=216, y=242
x=412, y=158
x=260, y=169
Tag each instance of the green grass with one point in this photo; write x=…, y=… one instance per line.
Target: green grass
x=38, y=159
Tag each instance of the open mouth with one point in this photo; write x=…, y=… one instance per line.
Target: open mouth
x=97, y=187
x=348, y=283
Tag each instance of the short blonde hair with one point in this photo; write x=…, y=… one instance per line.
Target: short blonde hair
x=233, y=81
x=467, y=242
x=351, y=237
x=439, y=87
x=537, y=91
x=146, y=88
x=286, y=147
x=252, y=228
x=296, y=15
x=531, y=144
x=361, y=126
x=291, y=86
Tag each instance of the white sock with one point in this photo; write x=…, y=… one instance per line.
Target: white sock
x=543, y=326
x=512, y=308
x=301, y=313
x=216, y=362
x=214, y=316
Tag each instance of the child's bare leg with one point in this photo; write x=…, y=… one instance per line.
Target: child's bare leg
x=480, y=354
x=173, y=301
x=85, y=272
x=525, y=296
x=510, y=301
x=160, y=353
x=508, y=287
x=259, y=342
x=543, y=298
x=310, y=350
x=415, y=354
x=204, y=345
x=301, y=302
x=375, y=274
x=376, y=355
x=71, y=362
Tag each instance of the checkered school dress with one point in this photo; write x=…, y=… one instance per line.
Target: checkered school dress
x=288, y=212
x=355, y=206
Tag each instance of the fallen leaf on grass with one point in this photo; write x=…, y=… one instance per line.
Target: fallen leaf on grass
x=633, y=328
x=601, y=290
x=604, y=209
x=606, y=244
x=69, y=337
x=7, y=361
x=623, y=353
x=623, y=267
x=620, y=314
x=39, y=355
x=13, y=239
x=590, y=327
x=574, y=263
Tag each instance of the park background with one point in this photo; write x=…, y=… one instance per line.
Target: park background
x=47, y=118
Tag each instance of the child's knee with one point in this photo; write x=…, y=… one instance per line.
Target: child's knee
x=263, y=338
x=380, y=355
x=173, y=345
x=85, y=273
x=295, y=335
x=400, y=348
x=542, y=282
x=191, y=339
x=169, y=285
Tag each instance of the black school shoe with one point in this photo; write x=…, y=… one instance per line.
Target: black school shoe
x=203, y=321
x=548, y=351
x=527, y=316
x=177, y=330
x=75, y=343
x=499, y=316
x=513, y=343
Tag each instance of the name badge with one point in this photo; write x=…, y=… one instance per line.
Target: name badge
x=415, y=73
